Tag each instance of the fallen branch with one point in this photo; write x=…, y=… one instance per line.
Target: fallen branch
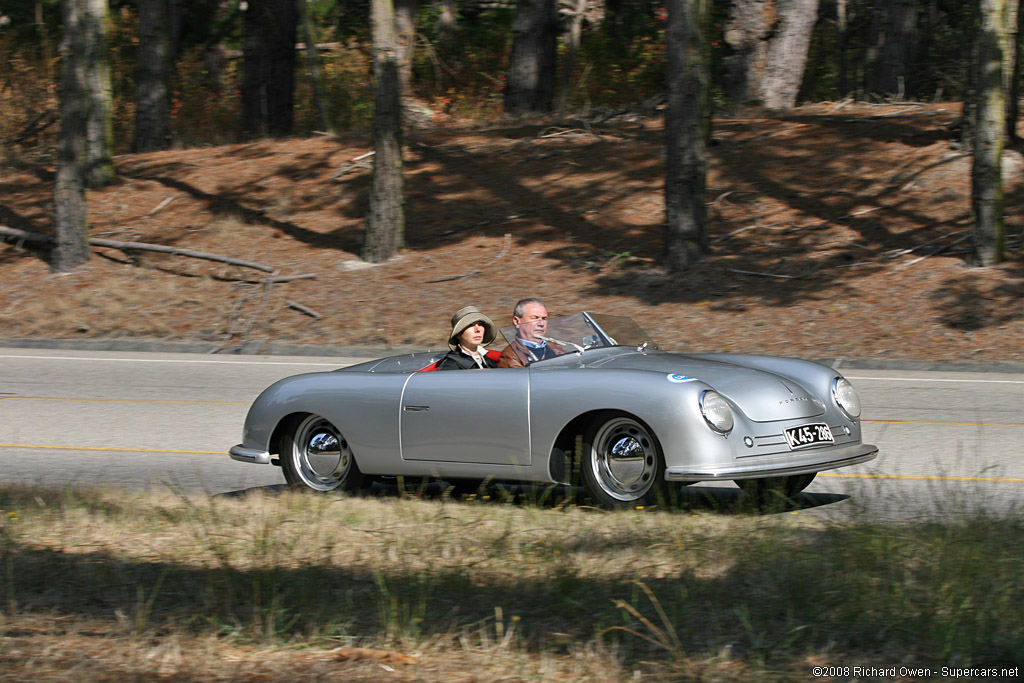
x=160, y=206
x=39, y=124
x=289, y=278
x=937, y=250
x=896, y=253
x=303, y=309
x=358, y=162
x=752, y=272
x=8, y=234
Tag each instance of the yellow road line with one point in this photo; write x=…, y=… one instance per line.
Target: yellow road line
x=121, y=400
x=916, y=476
x=940, y=424
x=104, y=448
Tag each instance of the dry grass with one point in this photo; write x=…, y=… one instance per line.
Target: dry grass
x=114, y=585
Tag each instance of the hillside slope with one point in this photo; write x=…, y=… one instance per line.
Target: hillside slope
x=836, y=231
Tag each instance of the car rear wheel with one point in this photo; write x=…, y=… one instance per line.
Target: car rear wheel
x=775, y=489
x=622, y=463
x=315, y=455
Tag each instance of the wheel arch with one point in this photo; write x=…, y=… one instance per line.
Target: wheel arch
x=283, y=425
x=564, y=447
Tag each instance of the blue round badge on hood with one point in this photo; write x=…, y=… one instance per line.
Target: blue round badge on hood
x=679, y=379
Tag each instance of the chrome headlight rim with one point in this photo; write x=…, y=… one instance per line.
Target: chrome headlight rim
x=717, y=412
x=845, y=397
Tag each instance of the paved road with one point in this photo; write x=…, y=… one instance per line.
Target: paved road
x=948, y=440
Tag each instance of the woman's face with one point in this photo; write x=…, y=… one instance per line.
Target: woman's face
x=472, y=336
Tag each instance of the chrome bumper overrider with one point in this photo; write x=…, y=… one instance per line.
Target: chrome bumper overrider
x=791, y=463
x=243, y=454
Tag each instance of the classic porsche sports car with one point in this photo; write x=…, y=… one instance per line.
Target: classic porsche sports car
x=650, y=421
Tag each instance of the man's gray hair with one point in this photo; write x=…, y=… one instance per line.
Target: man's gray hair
x=521, y=305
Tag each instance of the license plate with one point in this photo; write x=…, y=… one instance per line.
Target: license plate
x=808, y=435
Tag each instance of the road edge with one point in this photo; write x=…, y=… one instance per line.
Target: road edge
x=273, y=348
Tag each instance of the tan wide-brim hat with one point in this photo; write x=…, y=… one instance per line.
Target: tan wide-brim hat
x=465, y=317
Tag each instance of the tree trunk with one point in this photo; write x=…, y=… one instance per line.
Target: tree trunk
x=897, y=38
x=787, y=53
x=989, y=131
x=768, y=41
x=385, y=225
x=447, y=18
x=268, y=83
x=313, y=63
x=530, y=85
x=841, y=29
x=153, y=78
x=572, y=44
x=687, y=125
x=1015, y=19
x=99, y=142
x=405, y=25
x=70, y=220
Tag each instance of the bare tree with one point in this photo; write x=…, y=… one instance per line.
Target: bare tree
x=989, y=131
x=70, y=220
x=313, y=63
x=99, y=141
x=530, y=85
x=153, y=78
x=405, y=25
x=769, y=40
x=687, y=126
x=841, y=47
x=268, y=82
x=896, y=40
x=447, y=18
x=1015, y=19
x=576, y=12
x=385, y=224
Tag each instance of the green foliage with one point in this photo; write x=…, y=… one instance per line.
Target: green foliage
x=612, y=72
x=464, y=77
x=621, y=62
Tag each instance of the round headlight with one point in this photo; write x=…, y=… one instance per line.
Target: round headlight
x=716, y=411
x=846, y=397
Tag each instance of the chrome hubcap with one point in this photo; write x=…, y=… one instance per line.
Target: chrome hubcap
x=322, y=456
x=624, y=459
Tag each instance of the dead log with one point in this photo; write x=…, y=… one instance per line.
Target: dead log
x=303, y=309
x=14, y=235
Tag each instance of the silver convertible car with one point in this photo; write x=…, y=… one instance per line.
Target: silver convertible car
x=613, y=413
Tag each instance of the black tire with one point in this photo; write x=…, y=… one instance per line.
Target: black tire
x=622, y=464
x=315, y=455
x=775, y=490
x=462, y=488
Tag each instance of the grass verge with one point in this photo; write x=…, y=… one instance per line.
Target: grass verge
x=109, y=584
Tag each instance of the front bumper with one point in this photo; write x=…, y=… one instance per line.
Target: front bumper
x=784, y=465
x=243, y=454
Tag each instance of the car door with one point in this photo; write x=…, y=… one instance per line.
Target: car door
x=471, y=416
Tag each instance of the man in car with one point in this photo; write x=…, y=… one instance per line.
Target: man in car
x=530, y=317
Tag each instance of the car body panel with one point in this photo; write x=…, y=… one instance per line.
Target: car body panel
x=471, y=417
x=509, y=423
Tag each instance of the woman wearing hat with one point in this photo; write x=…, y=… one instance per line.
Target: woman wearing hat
x=471, y=331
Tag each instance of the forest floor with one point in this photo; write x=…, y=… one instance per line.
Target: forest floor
x=836, y=231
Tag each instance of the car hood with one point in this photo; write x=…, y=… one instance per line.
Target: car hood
x=763, y=396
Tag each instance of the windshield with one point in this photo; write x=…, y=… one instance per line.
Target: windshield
x=575, y=333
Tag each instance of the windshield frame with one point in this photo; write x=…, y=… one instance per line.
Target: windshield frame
x=577, y=333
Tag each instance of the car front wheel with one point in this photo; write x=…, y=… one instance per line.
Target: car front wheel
x=315, y=455
x=622, y=463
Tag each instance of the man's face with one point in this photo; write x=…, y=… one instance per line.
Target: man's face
x=533, y=323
